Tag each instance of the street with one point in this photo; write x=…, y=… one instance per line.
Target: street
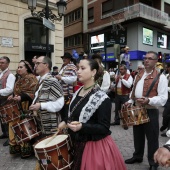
x=123, y=138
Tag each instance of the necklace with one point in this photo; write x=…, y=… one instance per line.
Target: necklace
x=88, y=87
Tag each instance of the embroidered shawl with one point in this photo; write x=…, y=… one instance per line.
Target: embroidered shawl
x=91, y=106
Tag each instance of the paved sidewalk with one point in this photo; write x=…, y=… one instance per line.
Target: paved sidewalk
x=123, y=138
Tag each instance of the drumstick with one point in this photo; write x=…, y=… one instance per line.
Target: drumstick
x=48, y=141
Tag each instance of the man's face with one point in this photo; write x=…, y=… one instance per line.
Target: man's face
x=66, y=60
x=34, y=59
x=3, y=64
x=149, y=61
x=40, y=66
x=122, y=70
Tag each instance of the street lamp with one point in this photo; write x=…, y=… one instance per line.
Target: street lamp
x=47, y=14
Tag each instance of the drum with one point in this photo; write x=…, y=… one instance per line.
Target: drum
x=54, y=152
x=133, y=115
x=25, y=130
x=9, y=112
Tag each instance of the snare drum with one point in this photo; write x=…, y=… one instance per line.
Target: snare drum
x=25, y=130
x=9, y=112
x=54, y=153
x=133, y=115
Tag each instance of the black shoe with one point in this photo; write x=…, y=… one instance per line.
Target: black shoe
x=153, y=167
x=133, y=160
x=6, y=143
x=3, y=136
x=162, y=128
x=25, y=156
x=114, y=123
x=164, y=135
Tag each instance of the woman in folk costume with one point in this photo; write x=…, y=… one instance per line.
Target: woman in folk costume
x=88, y=124
x=24, y=90
x=104, y=79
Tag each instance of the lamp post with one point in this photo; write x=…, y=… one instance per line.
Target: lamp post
x=47, y=14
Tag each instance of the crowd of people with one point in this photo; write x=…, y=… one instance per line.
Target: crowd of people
x=84, y=113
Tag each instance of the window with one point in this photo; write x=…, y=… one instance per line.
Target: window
x=107, y=7
x=90, y=14
x=120, y=4
x=73, y=16
x=167, y=8
x=34, y=31
x=73, y=40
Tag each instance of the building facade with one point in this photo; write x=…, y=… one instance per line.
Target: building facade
x=22, y=36
x=143, y=25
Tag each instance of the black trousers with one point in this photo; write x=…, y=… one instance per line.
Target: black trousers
x=151, y=131
x=4, y=128
x=119, y=100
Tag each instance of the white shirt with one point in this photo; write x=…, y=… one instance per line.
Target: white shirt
x=50, y=106
x=9, y=84
x=162, y=89
x=106, y=82
x=128, y=83
x=69, y=79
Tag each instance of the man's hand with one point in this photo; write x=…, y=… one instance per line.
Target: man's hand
x=35, y=106
x=143, y=100
x=161, y=156
x=58, y=77
x=127, y=104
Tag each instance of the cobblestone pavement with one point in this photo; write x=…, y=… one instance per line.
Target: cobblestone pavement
x=123, y=138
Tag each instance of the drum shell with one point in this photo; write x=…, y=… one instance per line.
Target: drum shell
x=134, y=115
x=9, y=112
x=54, y=152
x=25, y=130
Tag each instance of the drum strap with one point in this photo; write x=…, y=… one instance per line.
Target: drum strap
x=153, y=83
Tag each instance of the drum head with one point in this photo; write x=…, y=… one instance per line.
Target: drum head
x=44, y=143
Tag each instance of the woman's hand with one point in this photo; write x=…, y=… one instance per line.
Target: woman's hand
x=62, y=125
x=10, y=97
x=74, y=126
x=17, y=98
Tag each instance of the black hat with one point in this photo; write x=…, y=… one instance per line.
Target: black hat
x=67, y=55
x=55, y=67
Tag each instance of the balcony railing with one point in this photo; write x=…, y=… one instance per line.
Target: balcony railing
x=147, y=12
x=139, y=10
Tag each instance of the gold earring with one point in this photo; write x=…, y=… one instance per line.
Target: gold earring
x=92, y=77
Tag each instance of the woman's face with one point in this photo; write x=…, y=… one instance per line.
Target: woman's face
x=22, y=70
x=84, y=72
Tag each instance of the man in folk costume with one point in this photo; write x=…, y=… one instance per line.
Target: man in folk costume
x=67, y=77
x=123, y=85
x=156, y=97
x=7, y=80
x=48, y=99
